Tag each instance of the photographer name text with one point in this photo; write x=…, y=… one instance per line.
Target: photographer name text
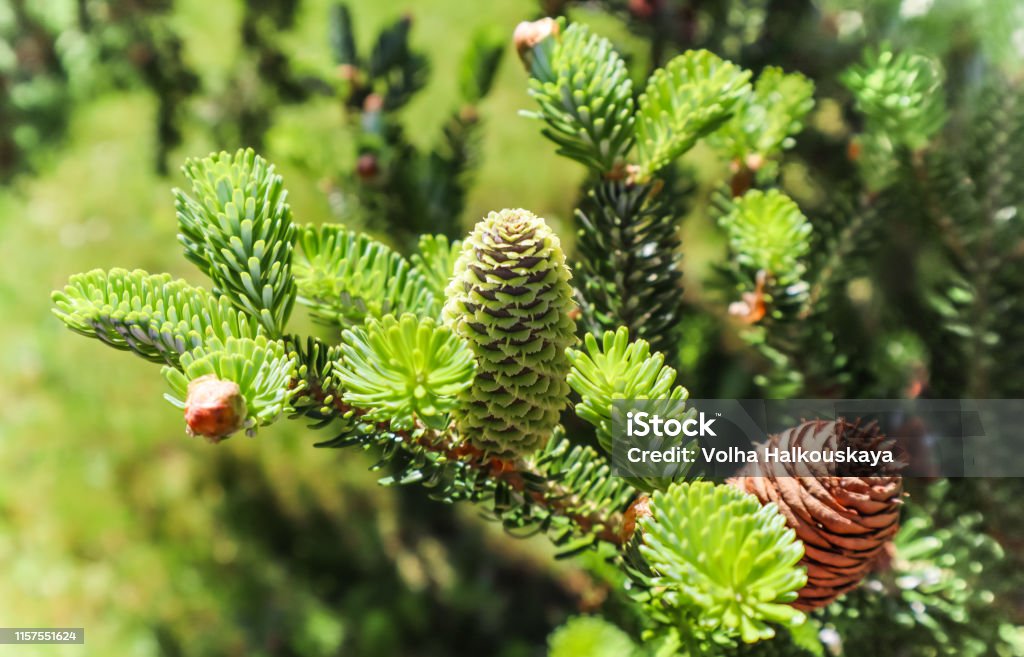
x=647, y=425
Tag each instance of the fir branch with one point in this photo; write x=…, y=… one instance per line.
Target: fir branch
x=397, y=186
x=771, y=249
x=435, y=260
x=900, y=95
x=616, y=370
x=630, y=270
x=402, y=71
x=345, y=277
x=565, y=490
x=591, y=636
x=237, y=228
x=970, y=192
x=153, y=315
x=933, y=593
x=584, y=92
x=768, y=118
x=693, y=95
x=767, y=232
x=619, y=369
x=406, y=369
x=342, y=36
x=479, y=65
x=316, y=392
x=720, y=565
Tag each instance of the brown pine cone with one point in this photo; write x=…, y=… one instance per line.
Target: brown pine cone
x=844, y=513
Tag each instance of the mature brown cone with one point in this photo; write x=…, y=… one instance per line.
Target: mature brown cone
x=844, y=513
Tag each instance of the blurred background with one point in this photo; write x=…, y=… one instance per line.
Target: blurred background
x=110, y=517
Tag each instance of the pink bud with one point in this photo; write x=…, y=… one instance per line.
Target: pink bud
x=528, y=34
x=214, y=409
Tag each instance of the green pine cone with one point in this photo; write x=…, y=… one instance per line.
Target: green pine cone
x=510, y=299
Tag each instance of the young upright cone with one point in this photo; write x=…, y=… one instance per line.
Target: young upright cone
x=510, y=299
x=844, y=513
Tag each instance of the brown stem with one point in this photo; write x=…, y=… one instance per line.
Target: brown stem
x=742, y=180
x=557, y=499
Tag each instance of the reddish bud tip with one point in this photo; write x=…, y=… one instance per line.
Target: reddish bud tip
x=643, y=9
x=853, y=150
x=367, y=167
x=640, y=508
x=214, y=409
x=373, y=103
x=753, y=306
x=755, y=161
x=528, y=34
x=348, y=72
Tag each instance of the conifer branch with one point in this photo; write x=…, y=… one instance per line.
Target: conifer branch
x=540, y=484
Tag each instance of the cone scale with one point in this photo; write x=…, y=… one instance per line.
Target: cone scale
x=845, y=519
